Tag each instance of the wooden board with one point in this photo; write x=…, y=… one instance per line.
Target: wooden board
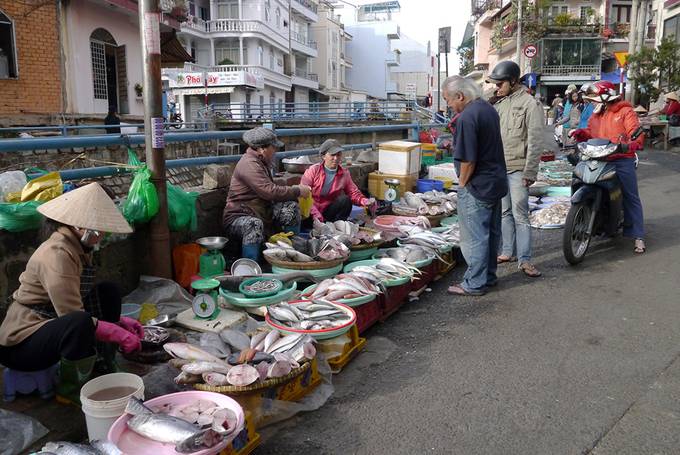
x=226, y=319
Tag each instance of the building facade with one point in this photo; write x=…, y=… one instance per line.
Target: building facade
x=30, y=64
x=575, y=39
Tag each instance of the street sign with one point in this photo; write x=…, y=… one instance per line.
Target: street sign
x=445, y=40
x=410, y=91
x=621, y=58
x=531, y=79
x=530, y=51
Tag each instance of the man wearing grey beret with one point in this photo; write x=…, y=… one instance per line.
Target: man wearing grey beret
x=333, y=190
x=255, y=204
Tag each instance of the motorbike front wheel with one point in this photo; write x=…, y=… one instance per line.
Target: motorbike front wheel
x=576, y=239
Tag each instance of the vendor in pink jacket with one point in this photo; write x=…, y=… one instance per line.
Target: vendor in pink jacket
x=333, y=190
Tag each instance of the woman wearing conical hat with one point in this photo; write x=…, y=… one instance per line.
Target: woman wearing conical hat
x=59, y=314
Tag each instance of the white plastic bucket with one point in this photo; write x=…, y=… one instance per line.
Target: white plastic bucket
x=100, y=415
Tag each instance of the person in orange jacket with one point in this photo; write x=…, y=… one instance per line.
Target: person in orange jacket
x=614, y=119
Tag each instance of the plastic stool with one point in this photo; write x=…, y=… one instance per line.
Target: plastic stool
x=26, y=382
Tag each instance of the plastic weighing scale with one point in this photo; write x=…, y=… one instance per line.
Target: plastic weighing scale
x=212, y=263
x=205, y=314
x=392, y=192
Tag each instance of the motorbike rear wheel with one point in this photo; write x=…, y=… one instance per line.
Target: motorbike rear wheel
x=576, y=240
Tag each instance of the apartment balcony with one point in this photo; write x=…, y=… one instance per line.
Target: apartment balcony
x=306, y=8
x=394, y=59
x=394, y=31
x=305, y=79
x=580, y=71
x=391, y=87
x=303, y=45
x=234, y=28
x=345, y=60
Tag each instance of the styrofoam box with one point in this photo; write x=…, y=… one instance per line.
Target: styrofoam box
x=447, y=170
x=399, y=157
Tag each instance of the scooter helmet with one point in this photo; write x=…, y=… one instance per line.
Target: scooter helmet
x=584, y=88
x=602, y=92
x=570, y=89
x=505, y=71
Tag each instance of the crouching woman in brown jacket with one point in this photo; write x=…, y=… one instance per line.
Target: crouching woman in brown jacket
x=59, y=314
x=255, y=204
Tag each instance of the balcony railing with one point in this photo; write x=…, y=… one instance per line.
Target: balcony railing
x=196, y=23
x=305, y=75
x=236, y=26
x=567, y=70
x=302, y=39
x=309, y=5
x=345, y=57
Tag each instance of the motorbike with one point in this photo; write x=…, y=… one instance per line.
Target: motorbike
x=596, y=201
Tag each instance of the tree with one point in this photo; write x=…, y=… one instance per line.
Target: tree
x=655, y=70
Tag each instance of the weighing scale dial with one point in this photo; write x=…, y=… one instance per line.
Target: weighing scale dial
x=390, y=194
x=204, y=305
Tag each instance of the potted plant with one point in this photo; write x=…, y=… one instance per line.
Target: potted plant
x=139, y=90
x=179, y=10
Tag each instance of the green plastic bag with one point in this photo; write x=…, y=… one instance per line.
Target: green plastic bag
x=181, y=208
x=21, y=216
x=142, y=201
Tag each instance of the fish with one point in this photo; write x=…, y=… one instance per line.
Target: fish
x=189, y=352
x=69, y=448
x=279, y=369
x=282, y=356
x=215, y=379
x=285, y=342
x=105, y=447
x=262, y=369
x=242, y=375
x=231, y=283
x=211, y=343
x=187, y=378
x=205, y=367
x=237, y=340
x=282, y=313
x=178, y=363
x=257, y=357
x=225, y=421
x=271, y=338
x=167, y=429
x=257, y=338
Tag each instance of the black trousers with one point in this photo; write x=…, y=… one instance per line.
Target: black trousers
x=339, y=209
x=70, y=336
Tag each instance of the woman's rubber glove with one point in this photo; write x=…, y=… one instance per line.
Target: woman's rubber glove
x=132, y=325
x=112, y=333
x=580, y=135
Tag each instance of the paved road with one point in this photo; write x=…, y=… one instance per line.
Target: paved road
x=582, y=360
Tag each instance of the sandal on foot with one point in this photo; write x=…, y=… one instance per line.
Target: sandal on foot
x=639, y=246
x=503, y=259
x=457, y=289
x=529, y=270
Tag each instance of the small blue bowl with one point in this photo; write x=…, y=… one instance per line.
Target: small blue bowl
x=130, y=310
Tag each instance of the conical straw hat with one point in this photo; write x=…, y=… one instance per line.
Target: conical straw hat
x=88, y=207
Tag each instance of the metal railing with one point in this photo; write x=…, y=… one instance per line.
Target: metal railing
x=302, y=39
x=71, y=130
x=56, y=143
x=236, y=26
x=305, y=75
x=378, y=111
x=570, y=70
x=309, y=5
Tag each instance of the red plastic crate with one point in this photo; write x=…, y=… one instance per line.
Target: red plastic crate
x=426, y=278
x=367, y=314
x=394, y=298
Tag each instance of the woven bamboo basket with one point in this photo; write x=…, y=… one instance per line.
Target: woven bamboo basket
x=313, y=265
x=260, y=385
x=433, y=219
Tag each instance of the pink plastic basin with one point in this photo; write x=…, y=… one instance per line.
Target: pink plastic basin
x=130, y=443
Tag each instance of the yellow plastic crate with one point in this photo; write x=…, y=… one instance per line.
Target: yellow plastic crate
x=350, y=350
x=246, y=442
x=442, y=268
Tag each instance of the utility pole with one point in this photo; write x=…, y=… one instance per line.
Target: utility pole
x=446, y=57
x=439, y=82
x=149, y=30
x=632, y=38
x=519, y=33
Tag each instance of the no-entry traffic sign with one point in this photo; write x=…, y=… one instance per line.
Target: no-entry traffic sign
x=530, y=51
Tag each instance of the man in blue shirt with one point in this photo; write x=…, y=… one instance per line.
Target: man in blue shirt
x=480, y=164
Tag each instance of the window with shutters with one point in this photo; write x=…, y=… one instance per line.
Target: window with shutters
x=8, y=52
x=227, y=9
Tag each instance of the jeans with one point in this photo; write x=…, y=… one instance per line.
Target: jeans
x=480, y=232
x=515, y=220
x=633, y=221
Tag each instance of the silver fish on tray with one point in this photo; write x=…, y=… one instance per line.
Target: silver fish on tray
x=168, y=429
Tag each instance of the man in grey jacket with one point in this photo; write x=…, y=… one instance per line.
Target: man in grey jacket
x=522, y=124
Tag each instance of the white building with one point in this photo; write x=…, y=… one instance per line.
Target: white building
x=414, y=75
x=252, y=55
x=333, y=61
